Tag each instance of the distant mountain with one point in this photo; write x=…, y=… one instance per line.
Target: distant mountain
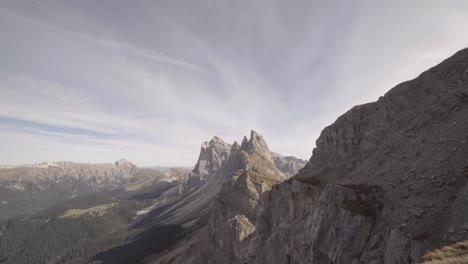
x=75, y=226
x=31, y=188
x=215, y=153
x=220, y=163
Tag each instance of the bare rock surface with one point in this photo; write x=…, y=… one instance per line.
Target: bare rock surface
x=213, y=155
x=385, y=184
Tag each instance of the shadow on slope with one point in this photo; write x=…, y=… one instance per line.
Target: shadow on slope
x=155, y=192
x=147, y=243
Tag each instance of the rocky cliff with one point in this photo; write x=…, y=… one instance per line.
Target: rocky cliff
x=213, y=155
x=224, y=206
x=386, y=182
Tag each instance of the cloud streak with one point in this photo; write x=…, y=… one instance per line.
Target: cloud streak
x=116, y=45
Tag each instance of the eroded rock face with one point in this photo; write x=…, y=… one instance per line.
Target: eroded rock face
x=386, y=183
x=288, y=165
x=213, y=155
x=329, y=224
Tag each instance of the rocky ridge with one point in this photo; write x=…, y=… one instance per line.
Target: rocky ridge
x=385, y=184
x=215, y=153
x=98, y=175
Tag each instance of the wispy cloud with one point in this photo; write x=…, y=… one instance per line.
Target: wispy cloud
x=113, y=44
x=147, y=53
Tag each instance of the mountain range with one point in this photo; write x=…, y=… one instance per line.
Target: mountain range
x=386, y=183
x=96, y=212
x=28, y=189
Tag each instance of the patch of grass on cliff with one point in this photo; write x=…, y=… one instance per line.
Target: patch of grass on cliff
x=453, y=254
x=150, y=242
x=95, y=211
x=245, y=222
x=270, y=181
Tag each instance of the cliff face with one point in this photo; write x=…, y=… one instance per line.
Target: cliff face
x=386, y=183
x=302, y=223
x=213, y=154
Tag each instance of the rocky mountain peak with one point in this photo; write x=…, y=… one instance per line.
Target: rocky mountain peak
x=217, y=139
x=254, y=134
x=124, y=163
x=215, y=143
x=245, y=142
x=235, y=146
x=213, y=155
x=256, y=144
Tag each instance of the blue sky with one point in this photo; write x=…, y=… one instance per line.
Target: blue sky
x=95, y=81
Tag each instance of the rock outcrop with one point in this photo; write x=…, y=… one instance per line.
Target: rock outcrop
x=385, y=184
x=213, y=155
x=287, y=165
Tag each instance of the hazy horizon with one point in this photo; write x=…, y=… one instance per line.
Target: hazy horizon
x=149, y=81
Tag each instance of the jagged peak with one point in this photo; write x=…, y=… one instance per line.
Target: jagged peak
x=257, y=144
x=257, y=138
x=235, y=146
x=215, y=141
x=213, y=155
x=245, y=142
x=123, y=162
x=254, y=134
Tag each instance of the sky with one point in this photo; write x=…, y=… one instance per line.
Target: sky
x=150, y=80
